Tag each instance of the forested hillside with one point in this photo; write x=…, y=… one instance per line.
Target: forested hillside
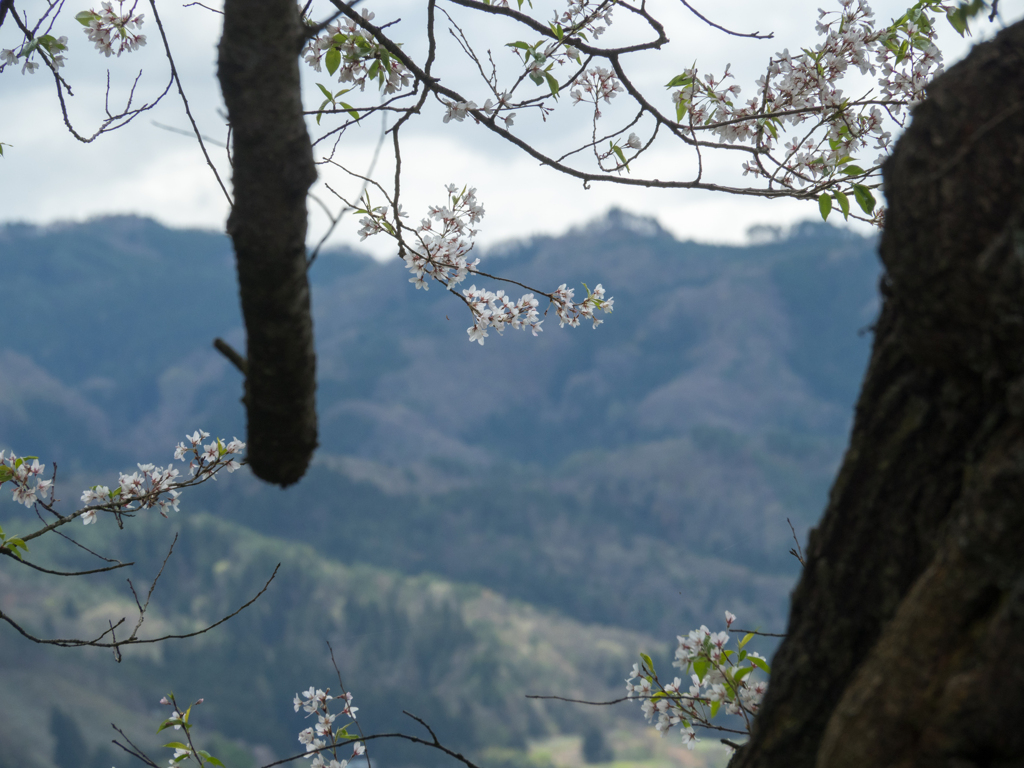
x=636, y=476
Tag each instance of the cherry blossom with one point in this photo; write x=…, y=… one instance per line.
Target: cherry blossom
x=113, y=32
x=721, y=681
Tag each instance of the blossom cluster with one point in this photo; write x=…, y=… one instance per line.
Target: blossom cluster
x=113, y=32
x=324, y=737
x=153, y=486
x=444, y=242
x=346, y=48
x=28, y=485
x=595, y=84
x=719, y=680
x=150, y=486
x=587, y=16
x=571, y=313
x=805, y=86
x=496, y=310
x=49, y=48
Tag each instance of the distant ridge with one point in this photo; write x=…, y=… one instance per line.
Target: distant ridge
x=640, y=474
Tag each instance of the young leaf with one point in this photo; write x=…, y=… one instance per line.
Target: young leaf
x=865, y=199
x=552, y=84
x=700, y=666
x=332, y=60
x=348, y=108
x=714, y=707
x=761, y=663
x=844, y=204
x=85, y=17
x=618, y=152
x=681, y=106
x=957, y=20
x=647, y=662
x=746, y=639
x=825, y=205
x=176, y=745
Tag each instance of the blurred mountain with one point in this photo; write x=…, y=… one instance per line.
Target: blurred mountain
x=639, y=475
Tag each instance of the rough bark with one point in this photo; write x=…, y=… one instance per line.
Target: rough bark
x=273, y=169
x=903, y=639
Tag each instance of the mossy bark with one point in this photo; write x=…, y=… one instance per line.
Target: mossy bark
x=903, y=639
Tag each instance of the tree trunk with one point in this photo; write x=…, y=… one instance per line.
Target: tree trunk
x=903, y=646
x=273, y=168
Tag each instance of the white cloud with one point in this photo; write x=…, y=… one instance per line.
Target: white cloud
x=143, y=169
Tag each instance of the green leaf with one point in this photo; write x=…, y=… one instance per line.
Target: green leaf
x=647, y=662
x=714, y=707
x=18, y=543
x=168, y=723
x=332, y=60
x=746, y=639
x=681, y=108
x=214, y=761
x=85, y=17
x=825, y=205
x=852, y=170
x=325, y=92
x=761, y=663
x=741, y=673
x=700, y=667
x=957, y=20
x=552, y=84
x=6, y=473
x=680, y=81
x=519, y=44
x=865, y=199
x=844, y=204
x=348, y=108
x=176, y=745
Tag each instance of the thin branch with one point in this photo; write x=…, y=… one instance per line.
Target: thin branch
x=583, y=701
x=369, y=172
x=65, y=573
x=75, y=643
x=184, y=100
x=798, y=552
x=709, y=22
x=232, y=355
x=214, y=10
x=190, y=134
x=755, y=632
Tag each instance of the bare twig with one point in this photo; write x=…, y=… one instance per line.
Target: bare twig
x=797, y=552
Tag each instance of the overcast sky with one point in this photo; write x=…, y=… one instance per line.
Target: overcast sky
x=49, y=176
